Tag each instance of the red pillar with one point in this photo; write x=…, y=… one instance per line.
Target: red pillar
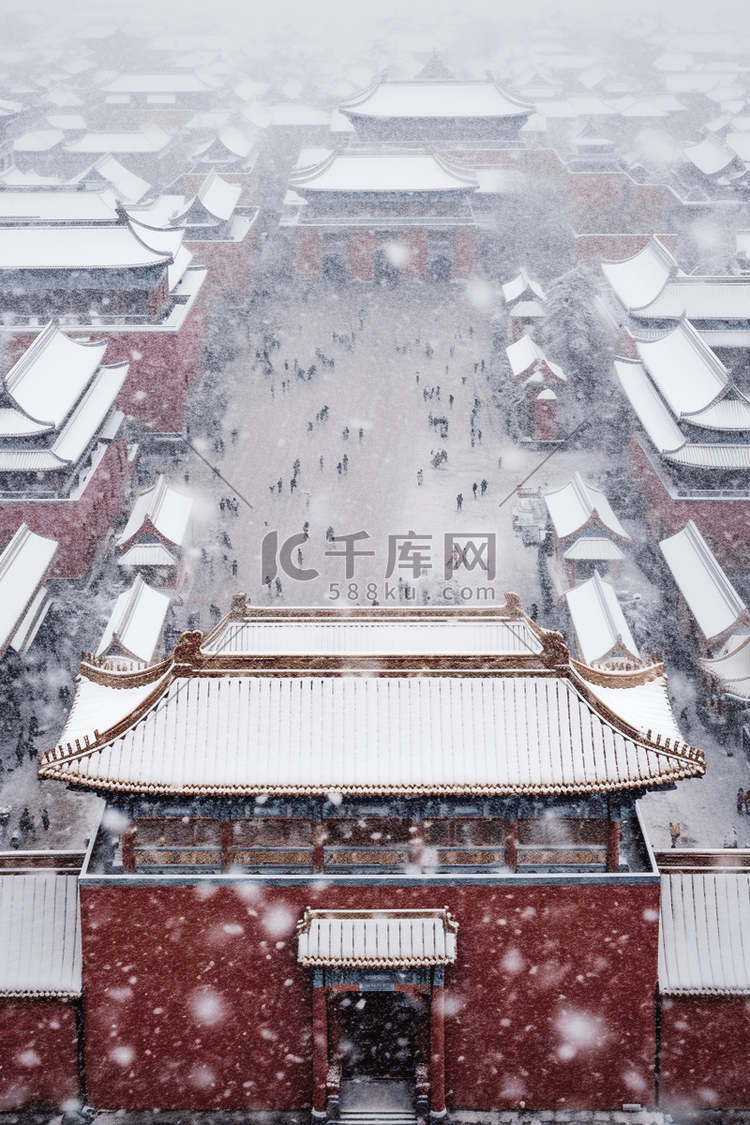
x=320, y=1050
x=437, y=1050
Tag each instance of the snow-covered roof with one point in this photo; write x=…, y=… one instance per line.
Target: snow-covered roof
x=128, y=187
x=593, y=548
x=234, y=141
x=214, y=204
x=23, y=567
x=50, y=376
x=179, y=83
x=136, y=623
x=284, y=635
x=693, y=380
x=146, y=555
x=526, y=358
x=383, y=939
x=698, y=298
x=521, y=287
x=713, y=600
x=578, y=506
x=75, y=248
x=161, y=509
x=41, y=140
x=365, y=171
x=710, y=156
x=601, y=630
x=704, y=923
x=641, y=700
x=57, y=207
x=360, y=723
x=639, y=280
x=40, y=936
x=652, y=413
x=435, y=100
x=149, y=139
x=730, y=668
x=89, y=414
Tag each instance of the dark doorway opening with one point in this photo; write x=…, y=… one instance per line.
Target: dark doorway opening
x=381, y=1034
x=383, y=269
x=334, y=270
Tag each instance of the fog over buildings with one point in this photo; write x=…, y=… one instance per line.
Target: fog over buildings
x=374, y=584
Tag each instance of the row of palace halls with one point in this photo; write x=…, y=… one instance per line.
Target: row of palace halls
x=320, y=879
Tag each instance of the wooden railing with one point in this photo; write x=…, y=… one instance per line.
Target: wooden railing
x=694, y=861
x=60, y=861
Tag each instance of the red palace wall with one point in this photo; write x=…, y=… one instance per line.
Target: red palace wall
x=725, y=524
x=704, y=1052
x=78, y=526
x=38, y=1053
x=194, y=998
x=463, y=254
x=163, y=366
x=361, y=246
x=309, y=245
x=416, y=242
x=228, y=265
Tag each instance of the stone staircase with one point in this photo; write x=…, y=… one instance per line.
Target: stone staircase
x=378, y=1117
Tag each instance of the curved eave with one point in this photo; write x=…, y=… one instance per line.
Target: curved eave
x=688, y=769
x=373, y=962
x=38, y=994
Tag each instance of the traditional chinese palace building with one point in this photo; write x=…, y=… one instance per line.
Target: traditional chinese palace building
x=381, y=848
x=78, y=258
x=392, y=199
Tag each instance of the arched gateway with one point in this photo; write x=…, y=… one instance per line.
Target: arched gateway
x=373, y=853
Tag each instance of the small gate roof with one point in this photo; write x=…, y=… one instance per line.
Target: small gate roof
x=383, y=939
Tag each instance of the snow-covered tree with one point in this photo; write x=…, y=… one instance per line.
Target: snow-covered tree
x=575, y=332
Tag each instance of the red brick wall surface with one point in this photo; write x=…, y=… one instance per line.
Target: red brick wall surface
x=704, y=1052
x=194, y=997
x=78, y=526
x=38, y=1054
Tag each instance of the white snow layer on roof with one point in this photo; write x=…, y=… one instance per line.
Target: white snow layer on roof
x=387, y=938
x=385, y=172
x=731, y=668
x=168, y=511
x=638, y=280
x=97, y=707
x=699, y=298
x=147, y=554
x=57, y=206
x=136, y=621
x=149, y=139
x=710, y=155
x=592, y=548
x=436, y=99
x=703, y=934
x=129, y=187
x=577, y=506
x=179, y=83
x=369, y=734
x=23, y=567
x=40, y=935
x=90, y=412
x=518, y=285
x=50, y=376
x=713, y=600
x=599, y=623
x=416, y=637
x=645, y=707
x=64, y=248
x=652, y=413
x=686, y=371
x=524, y=355
x=218, y=196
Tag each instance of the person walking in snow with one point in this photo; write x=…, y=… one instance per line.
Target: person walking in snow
x=278, y=587
x=740, y=799
x=420, y=477
x=459, y=501
x=345, y=463
x=474, y=488
x=674, y=832
x=484, y=487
